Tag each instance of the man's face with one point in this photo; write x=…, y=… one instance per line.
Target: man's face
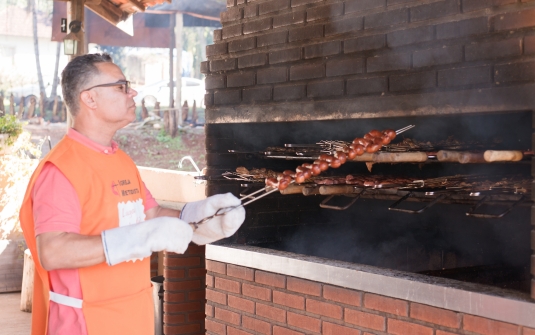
x=113, y=104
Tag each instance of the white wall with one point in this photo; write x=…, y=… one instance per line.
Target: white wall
x=17, y=59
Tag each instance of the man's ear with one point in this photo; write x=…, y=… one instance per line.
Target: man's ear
x=86, y=98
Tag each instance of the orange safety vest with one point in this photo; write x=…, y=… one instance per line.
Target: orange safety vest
x=116, y=299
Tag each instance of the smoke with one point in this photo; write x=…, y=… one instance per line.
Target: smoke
x=443, y=237
x=440, y=238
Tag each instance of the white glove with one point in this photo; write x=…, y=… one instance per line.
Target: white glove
x=220, y=226
x=139, y=240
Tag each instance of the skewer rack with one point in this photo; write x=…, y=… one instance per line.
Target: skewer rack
x=418, y=191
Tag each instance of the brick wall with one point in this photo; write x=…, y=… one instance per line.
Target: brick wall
x=184, y=294
x=276, y=51
x=244, y=301
x=272, y=53
x=286, y=52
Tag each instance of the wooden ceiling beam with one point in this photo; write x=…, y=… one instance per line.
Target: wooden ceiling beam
x=132, y=7
x=107, y=11
x=138, y=4
x=92, y=2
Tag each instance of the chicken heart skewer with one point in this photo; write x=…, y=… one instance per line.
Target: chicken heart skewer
x=370, y=143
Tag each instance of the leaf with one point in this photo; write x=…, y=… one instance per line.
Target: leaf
x=11, y=126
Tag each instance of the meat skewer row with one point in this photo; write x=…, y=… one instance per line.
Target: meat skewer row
x=370, y=143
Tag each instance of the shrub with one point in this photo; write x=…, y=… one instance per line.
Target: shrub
x=15, y=172
x=11, y=126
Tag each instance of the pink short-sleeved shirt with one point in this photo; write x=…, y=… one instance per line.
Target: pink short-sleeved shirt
x=56, y=208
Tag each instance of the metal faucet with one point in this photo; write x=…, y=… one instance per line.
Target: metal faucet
x=192, y=162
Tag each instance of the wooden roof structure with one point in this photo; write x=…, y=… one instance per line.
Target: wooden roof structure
x=115, y=11
x=204, y=9
x=146, y=24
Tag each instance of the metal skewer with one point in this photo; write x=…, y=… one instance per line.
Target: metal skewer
x=263, y=195
x=329, y=146
x=251, y=195
x=328, y=143
x=224, y=210
x=399, y=131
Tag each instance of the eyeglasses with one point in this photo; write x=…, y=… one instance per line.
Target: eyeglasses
x=124, y=83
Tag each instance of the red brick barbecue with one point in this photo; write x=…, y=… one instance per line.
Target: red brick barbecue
x=300, y=71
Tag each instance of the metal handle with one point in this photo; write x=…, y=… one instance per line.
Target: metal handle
x=340, y=208
x=393, y=207
x=225, y=210
x=220, y=212
x=244, y=195
x=491, y=216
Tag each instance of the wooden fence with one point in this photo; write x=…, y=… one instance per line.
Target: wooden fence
x=30, y=107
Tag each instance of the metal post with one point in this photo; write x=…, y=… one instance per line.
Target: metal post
x=171, y=61
x=84, y=31
x=179, y=24
x=172, y=120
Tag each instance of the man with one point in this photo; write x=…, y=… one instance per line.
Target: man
x=91, y=224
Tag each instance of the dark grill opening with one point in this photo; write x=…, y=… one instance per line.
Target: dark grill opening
x=442, y=241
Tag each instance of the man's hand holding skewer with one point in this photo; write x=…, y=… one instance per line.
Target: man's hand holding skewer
x=219, y=226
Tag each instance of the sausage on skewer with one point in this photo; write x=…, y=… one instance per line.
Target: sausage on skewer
x=370, y=143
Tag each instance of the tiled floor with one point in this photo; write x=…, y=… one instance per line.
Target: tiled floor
x=12, y=320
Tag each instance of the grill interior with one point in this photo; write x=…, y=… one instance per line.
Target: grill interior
x=442, y=241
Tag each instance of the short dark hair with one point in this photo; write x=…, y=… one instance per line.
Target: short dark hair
x=77, y=72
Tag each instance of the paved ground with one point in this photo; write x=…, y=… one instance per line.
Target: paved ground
x=12, y=320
